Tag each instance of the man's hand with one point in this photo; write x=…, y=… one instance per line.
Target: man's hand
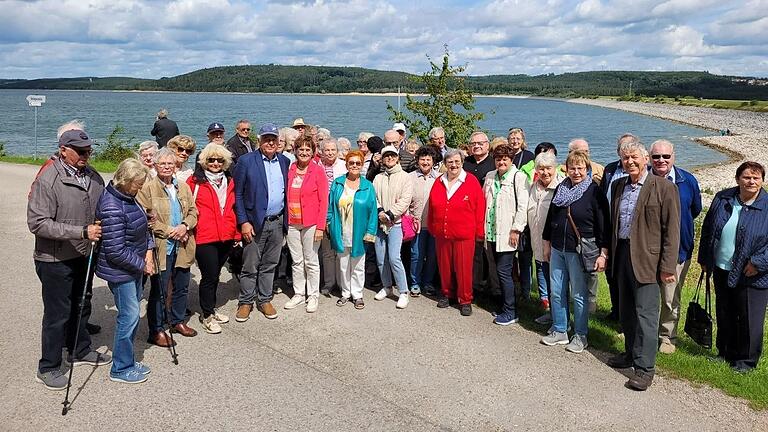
x=178, y=232
x=600, y=263
x=94, y=231
x=547, y=250
x=246, y=230
x=318, y=235
x=514, y=238
x=149, y=266
x=750, y=269
x=668, y=277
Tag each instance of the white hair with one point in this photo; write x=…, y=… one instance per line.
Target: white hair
x=146, y=145
x=435, y=130
x=70, y=125
x=574, y=141
x=664, y=142
x=545, y=159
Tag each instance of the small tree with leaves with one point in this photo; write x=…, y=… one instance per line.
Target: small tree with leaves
x=448, y=104
x=118, y=147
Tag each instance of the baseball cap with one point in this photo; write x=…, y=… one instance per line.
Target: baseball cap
x=268, y=129
x=75, y=138
x=389, y=149
x=215, y=127
x=398, y=127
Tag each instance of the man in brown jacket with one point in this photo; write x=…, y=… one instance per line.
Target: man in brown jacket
x=645, y=238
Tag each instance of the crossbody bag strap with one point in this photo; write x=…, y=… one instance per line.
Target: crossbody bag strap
x=698, y=287
x=573, y=224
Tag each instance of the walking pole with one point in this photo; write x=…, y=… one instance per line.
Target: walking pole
x=77, y=331
x=162, y=303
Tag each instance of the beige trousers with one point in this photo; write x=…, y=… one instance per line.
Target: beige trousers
x=670, y=304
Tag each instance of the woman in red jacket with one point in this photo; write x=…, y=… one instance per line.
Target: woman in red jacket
x=307, y=194
x=216, y=230
x=456, y=219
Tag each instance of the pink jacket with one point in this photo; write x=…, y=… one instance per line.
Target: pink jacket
x=314, y=195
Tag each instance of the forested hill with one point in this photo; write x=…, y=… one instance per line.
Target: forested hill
x=328, y=79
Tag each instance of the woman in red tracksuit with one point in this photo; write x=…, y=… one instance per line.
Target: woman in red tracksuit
x=456, y=219
x=216, y=230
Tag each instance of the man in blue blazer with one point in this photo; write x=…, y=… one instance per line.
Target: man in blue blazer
x=663, y=165
x=260, y=201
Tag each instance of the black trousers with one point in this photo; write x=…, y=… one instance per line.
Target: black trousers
x=740, y=315
x=639, y=306
x=62, y=286
x=484, y=277
x=372, y=276
x=211, y=258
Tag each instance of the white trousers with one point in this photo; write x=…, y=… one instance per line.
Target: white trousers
x=306, y=266
x=352, y=274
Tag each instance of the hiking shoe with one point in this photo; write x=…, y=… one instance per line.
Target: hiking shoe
x=382, y=294
x=402, y=301
x=359, y=304
x=141, y=368
x=443, y=302
x=555, y=338
x=415, y=291
x=277, y=289
x=293, y=302
x=210, y=325
x=131, y=376
x=243, y=312
x=220, y=317
x=268, y=310
x=544, y=319
x=505, y=319
x=640, y=381
x=465, y=309
x=429, y=290
x=93, y=358
x=667, y=347
x=311, y=304
x=577, y=345
x=53, y=379
x=620, y=361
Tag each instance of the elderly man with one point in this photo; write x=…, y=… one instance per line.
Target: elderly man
x=299, y=125
x=437, y=139
x=663, y=165
x=164, y=128
x=645, y=215
x=61, y=214
x=260, y=183
x=240, y=143
x=215, y=133
x=396, y=139
x=334, y=168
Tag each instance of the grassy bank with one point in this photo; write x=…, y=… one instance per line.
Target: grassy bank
x=100, y=166
x=744, y=105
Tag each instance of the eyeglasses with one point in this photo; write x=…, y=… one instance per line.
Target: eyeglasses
x=188, y=151
x=354, y=163
x=362, y=142
x=215, y=159
x=659, y=156
x=392, y=143
x=478, y=143
x=81, y=151
x=245, y=129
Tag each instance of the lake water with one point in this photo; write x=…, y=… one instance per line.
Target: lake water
x=346, y=116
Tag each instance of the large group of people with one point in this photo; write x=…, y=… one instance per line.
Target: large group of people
x=448, y=220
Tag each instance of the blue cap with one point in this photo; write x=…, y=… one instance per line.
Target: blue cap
x=268, y=129
x=215, y=127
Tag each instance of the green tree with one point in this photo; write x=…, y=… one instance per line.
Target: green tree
x=448, y=104
x=118, y=148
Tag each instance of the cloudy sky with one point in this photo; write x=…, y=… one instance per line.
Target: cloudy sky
x=155, y=38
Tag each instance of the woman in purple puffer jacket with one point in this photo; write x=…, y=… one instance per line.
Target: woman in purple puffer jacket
x=124, y=256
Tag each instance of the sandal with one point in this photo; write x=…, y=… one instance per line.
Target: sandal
x=359, y=304
x=342, y=301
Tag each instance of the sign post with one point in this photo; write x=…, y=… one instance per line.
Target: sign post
x=36, y=101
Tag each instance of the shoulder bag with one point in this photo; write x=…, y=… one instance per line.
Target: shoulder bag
x=698, y=319
x=586, y=247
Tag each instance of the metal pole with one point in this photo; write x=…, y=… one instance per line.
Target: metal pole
x=35, y=132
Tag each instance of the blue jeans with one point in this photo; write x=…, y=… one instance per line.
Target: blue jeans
x=180, y=279
x=127, y=298
x=542, y=277
x=388, y=258
x=423, y=259
x=524, y=262
x=504, y=263
x=565, y=268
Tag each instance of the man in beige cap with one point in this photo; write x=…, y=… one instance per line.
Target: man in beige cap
x=299, y=125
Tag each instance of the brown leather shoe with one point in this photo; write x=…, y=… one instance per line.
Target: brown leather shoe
x=268, y=310
x=640, y=381
x=184, y=330
x=243, y=312
x=160, y=339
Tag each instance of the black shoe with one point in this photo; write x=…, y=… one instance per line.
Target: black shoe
x=640, y=381
x=188, y=313
x=620, y=361
x=466, y=309
x=443, y=302
x=92, y=328
x=325, y=291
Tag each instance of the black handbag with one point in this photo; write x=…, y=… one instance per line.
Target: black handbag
x=586, y=247
x=698, y=320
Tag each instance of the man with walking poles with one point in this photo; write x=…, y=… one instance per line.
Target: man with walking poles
x=61, y=214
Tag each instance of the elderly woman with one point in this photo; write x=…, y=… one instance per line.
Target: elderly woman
x=516, y=140
x=352, y=221
x=174, y=216
x=539, y=199
x=344, y=147
x=734, y=249
x=124, y=257
x=285, y=142
x=456, y=219
x=307, y=197
x=183, y=146
x=216, y=232
x=394, y=191
x=506, y=201
x=147, y=151
x=423, y=257
x=577, y=203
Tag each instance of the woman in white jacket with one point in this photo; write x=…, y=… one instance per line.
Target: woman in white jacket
x=506, y=201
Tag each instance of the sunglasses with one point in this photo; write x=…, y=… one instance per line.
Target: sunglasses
x=354, y=163
x=215, y=159
x=659, y=156
x=245, y=129
x=81, y=151
x=188, y=151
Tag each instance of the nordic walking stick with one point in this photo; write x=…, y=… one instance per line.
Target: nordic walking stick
x=77, y=327
x=162, y=305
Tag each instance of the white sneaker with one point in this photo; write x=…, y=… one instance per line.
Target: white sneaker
x=312, y=304
x=402, y=301
x=210, y=325
x=294, y=301
x=220, y=317
x=382, y=294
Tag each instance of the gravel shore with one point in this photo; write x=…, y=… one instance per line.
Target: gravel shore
x=748, y=142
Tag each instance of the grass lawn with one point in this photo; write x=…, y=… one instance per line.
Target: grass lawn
x=102, y=167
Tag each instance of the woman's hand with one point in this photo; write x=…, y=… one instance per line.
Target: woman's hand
x=318, y=235
x=416, y=225
x=750, y=269
x=178, y=232
x=600, y=263
x=149, y=266
x=547, y=250
x=514, y=238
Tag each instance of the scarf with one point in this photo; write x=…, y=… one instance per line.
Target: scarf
x=567, y=194
x=219, y=183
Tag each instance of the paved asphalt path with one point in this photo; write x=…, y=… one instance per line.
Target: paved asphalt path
x=421, y=368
